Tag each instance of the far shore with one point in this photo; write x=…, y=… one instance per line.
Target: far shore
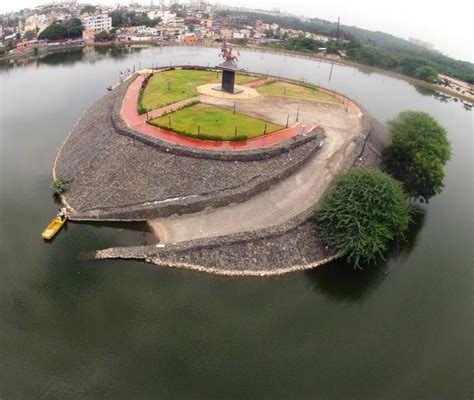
x=342, y=61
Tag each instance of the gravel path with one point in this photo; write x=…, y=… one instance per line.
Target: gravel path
x=275, y=206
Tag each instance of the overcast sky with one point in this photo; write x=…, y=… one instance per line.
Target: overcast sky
x=448, y=25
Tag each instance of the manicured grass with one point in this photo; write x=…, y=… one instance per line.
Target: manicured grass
x=215, y=123
x=287, y=89
x=172, y=86
x=242, y=79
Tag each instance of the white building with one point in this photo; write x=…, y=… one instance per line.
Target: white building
x=165, y=15
x=148, y=31
x=97, y=23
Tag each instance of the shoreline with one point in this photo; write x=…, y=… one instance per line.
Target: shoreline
x=298, y=54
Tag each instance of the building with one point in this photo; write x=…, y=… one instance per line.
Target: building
x=149, y=31
x=97, y=23
x=28, y=47
x=37, y=23
x=190, y=39
x=165, y=15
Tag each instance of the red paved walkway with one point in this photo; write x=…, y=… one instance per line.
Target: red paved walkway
x=138, y=122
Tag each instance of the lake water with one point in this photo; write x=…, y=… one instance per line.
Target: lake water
x=71, y=328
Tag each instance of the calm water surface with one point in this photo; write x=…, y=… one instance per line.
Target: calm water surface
x=71, y=328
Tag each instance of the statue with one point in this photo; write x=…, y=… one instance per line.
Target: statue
x=226, y=54
x=228, y=68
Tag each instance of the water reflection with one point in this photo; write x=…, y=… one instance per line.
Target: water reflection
x=63, y=58
x=340, y=280
x=73, y=56
x=443, y=98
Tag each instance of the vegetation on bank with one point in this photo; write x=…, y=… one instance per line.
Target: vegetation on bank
x=419, y=151
x=362, y=212
x=377, y=49
x=60, y=185
x=208, y=122
x=169, y=87
x=365, y=209
x=286, y=89
x=104, y=36
x=59, y=30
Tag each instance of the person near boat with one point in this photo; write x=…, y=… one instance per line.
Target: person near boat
x=62, y=214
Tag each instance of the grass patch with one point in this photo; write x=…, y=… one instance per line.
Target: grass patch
x=204, y=121
x=287, y=89
x=169, y=87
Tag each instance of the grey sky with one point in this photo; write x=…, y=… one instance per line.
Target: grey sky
x=447, y=26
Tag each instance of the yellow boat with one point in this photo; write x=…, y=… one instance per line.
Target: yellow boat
x=53, y=228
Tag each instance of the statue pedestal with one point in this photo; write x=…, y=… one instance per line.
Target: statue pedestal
x=228, y=69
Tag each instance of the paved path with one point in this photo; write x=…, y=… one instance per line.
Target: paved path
x=277, y=205
x=138, y=122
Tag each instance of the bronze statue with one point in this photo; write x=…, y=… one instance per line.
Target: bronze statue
x=226, y=54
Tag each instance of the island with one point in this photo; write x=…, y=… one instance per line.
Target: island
x=226, y=169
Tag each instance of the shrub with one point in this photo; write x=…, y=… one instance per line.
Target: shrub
x=60, y=185
x=419, y=151
x=362, y=212
x=140, y=109
x=426, y=73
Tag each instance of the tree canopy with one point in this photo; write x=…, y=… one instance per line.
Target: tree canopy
x=68, y=29
x=419, y=151
x=122, y=18
x=88, y=8
x=104, y=36
x=362, y=212
x=426, y=73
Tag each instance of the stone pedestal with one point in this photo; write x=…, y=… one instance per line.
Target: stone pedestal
x=228, y=81
x=228, y=69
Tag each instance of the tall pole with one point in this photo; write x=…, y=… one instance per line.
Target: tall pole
x=337, y=32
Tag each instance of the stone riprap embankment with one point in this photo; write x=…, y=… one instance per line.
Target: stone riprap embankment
x=288, y=247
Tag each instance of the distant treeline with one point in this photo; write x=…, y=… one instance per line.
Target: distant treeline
x=366, y=47
x=123, y=18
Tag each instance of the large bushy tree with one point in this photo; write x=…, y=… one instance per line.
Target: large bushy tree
x=419, y=151
x=123, y=18
x=426, y=73
x=362, y=212
x=68, y=29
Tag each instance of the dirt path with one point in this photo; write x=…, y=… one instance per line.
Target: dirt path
x=277, y=205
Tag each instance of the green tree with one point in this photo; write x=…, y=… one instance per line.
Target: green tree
x=419, y=151
x=104, y=36
x=332, y=47
x=426, y=73
x=362, y=212
x=60, y=185
x=69, y=29
x=89, y=9
x=123, y=18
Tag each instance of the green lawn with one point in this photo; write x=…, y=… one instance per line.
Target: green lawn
x=287, y=89
x=215, y=123
x=172, y=86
